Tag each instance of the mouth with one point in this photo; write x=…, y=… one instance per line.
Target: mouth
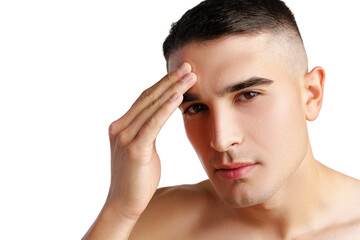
x=235, y=171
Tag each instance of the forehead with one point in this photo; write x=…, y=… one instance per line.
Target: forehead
x=222, y=61
x=228, y=47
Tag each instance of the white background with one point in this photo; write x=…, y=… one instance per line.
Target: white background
x=69, y=68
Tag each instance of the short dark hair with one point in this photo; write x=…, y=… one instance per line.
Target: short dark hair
x=212, y=19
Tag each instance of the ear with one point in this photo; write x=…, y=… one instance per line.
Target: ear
x=314, y=92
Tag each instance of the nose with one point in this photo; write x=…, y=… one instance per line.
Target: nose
x=226, y=131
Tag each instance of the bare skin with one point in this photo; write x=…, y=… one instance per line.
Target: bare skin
x=135, y=164
x=286, y=194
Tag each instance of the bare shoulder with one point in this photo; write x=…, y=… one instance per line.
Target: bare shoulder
x=339, y=218
x=348, y=230
x=351, y=199
x=353, y=186
x=347, y=195
x=174, y=210
x=346, y=213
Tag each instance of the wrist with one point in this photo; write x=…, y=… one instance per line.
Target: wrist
x=116, y=212
x=111, y=224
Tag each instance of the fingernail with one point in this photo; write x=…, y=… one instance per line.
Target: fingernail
x=187, y=77
x=183, y=68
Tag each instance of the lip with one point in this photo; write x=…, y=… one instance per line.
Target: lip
x=235, y=171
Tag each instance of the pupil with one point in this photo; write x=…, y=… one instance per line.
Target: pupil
x=249, y=95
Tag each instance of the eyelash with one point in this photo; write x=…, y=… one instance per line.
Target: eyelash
x=186, y=111
x=249, y=92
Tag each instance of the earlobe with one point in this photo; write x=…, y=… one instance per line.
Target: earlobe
x=314, y=92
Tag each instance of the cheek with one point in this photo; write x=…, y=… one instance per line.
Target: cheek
x=281, y=128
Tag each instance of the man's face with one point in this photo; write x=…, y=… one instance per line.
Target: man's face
x=260, y=124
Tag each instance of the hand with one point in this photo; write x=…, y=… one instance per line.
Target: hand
x=135, y=164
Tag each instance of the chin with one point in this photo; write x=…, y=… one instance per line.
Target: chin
x=240, y=194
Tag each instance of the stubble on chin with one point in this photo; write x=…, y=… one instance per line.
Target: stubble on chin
x=243, y=195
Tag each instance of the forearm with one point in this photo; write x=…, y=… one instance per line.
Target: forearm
x=111, y=224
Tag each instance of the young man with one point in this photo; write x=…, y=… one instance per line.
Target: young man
x=238, y=72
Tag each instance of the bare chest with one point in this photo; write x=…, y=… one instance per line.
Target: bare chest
x=350, y=231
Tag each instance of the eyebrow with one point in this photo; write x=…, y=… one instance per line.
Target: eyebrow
x=251, y=82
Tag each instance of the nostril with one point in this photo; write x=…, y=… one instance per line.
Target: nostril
x=219, y=145
x=223, y=145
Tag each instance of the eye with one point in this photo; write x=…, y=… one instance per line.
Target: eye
x=246, y=96
x=194, y=109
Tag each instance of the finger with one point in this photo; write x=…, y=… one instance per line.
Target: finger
x=158, y=88
x=180, y=87
x=147, y=135
x=147, y=97
x=154, y=92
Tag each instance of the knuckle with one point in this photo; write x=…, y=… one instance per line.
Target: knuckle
x=174, y=75
x=146, y=94
x=177, y=87
x=150, y=122
x=152, y=104
x=132, y=151
x=114, y=127
x=121, y=139
x=173, y=87
x=169, y=77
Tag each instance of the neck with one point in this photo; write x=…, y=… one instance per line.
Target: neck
x=295, y=207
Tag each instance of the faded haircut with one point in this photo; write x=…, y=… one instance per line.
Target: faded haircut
x=213, y=19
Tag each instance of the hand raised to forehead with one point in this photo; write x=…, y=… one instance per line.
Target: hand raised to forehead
x=135, y=163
